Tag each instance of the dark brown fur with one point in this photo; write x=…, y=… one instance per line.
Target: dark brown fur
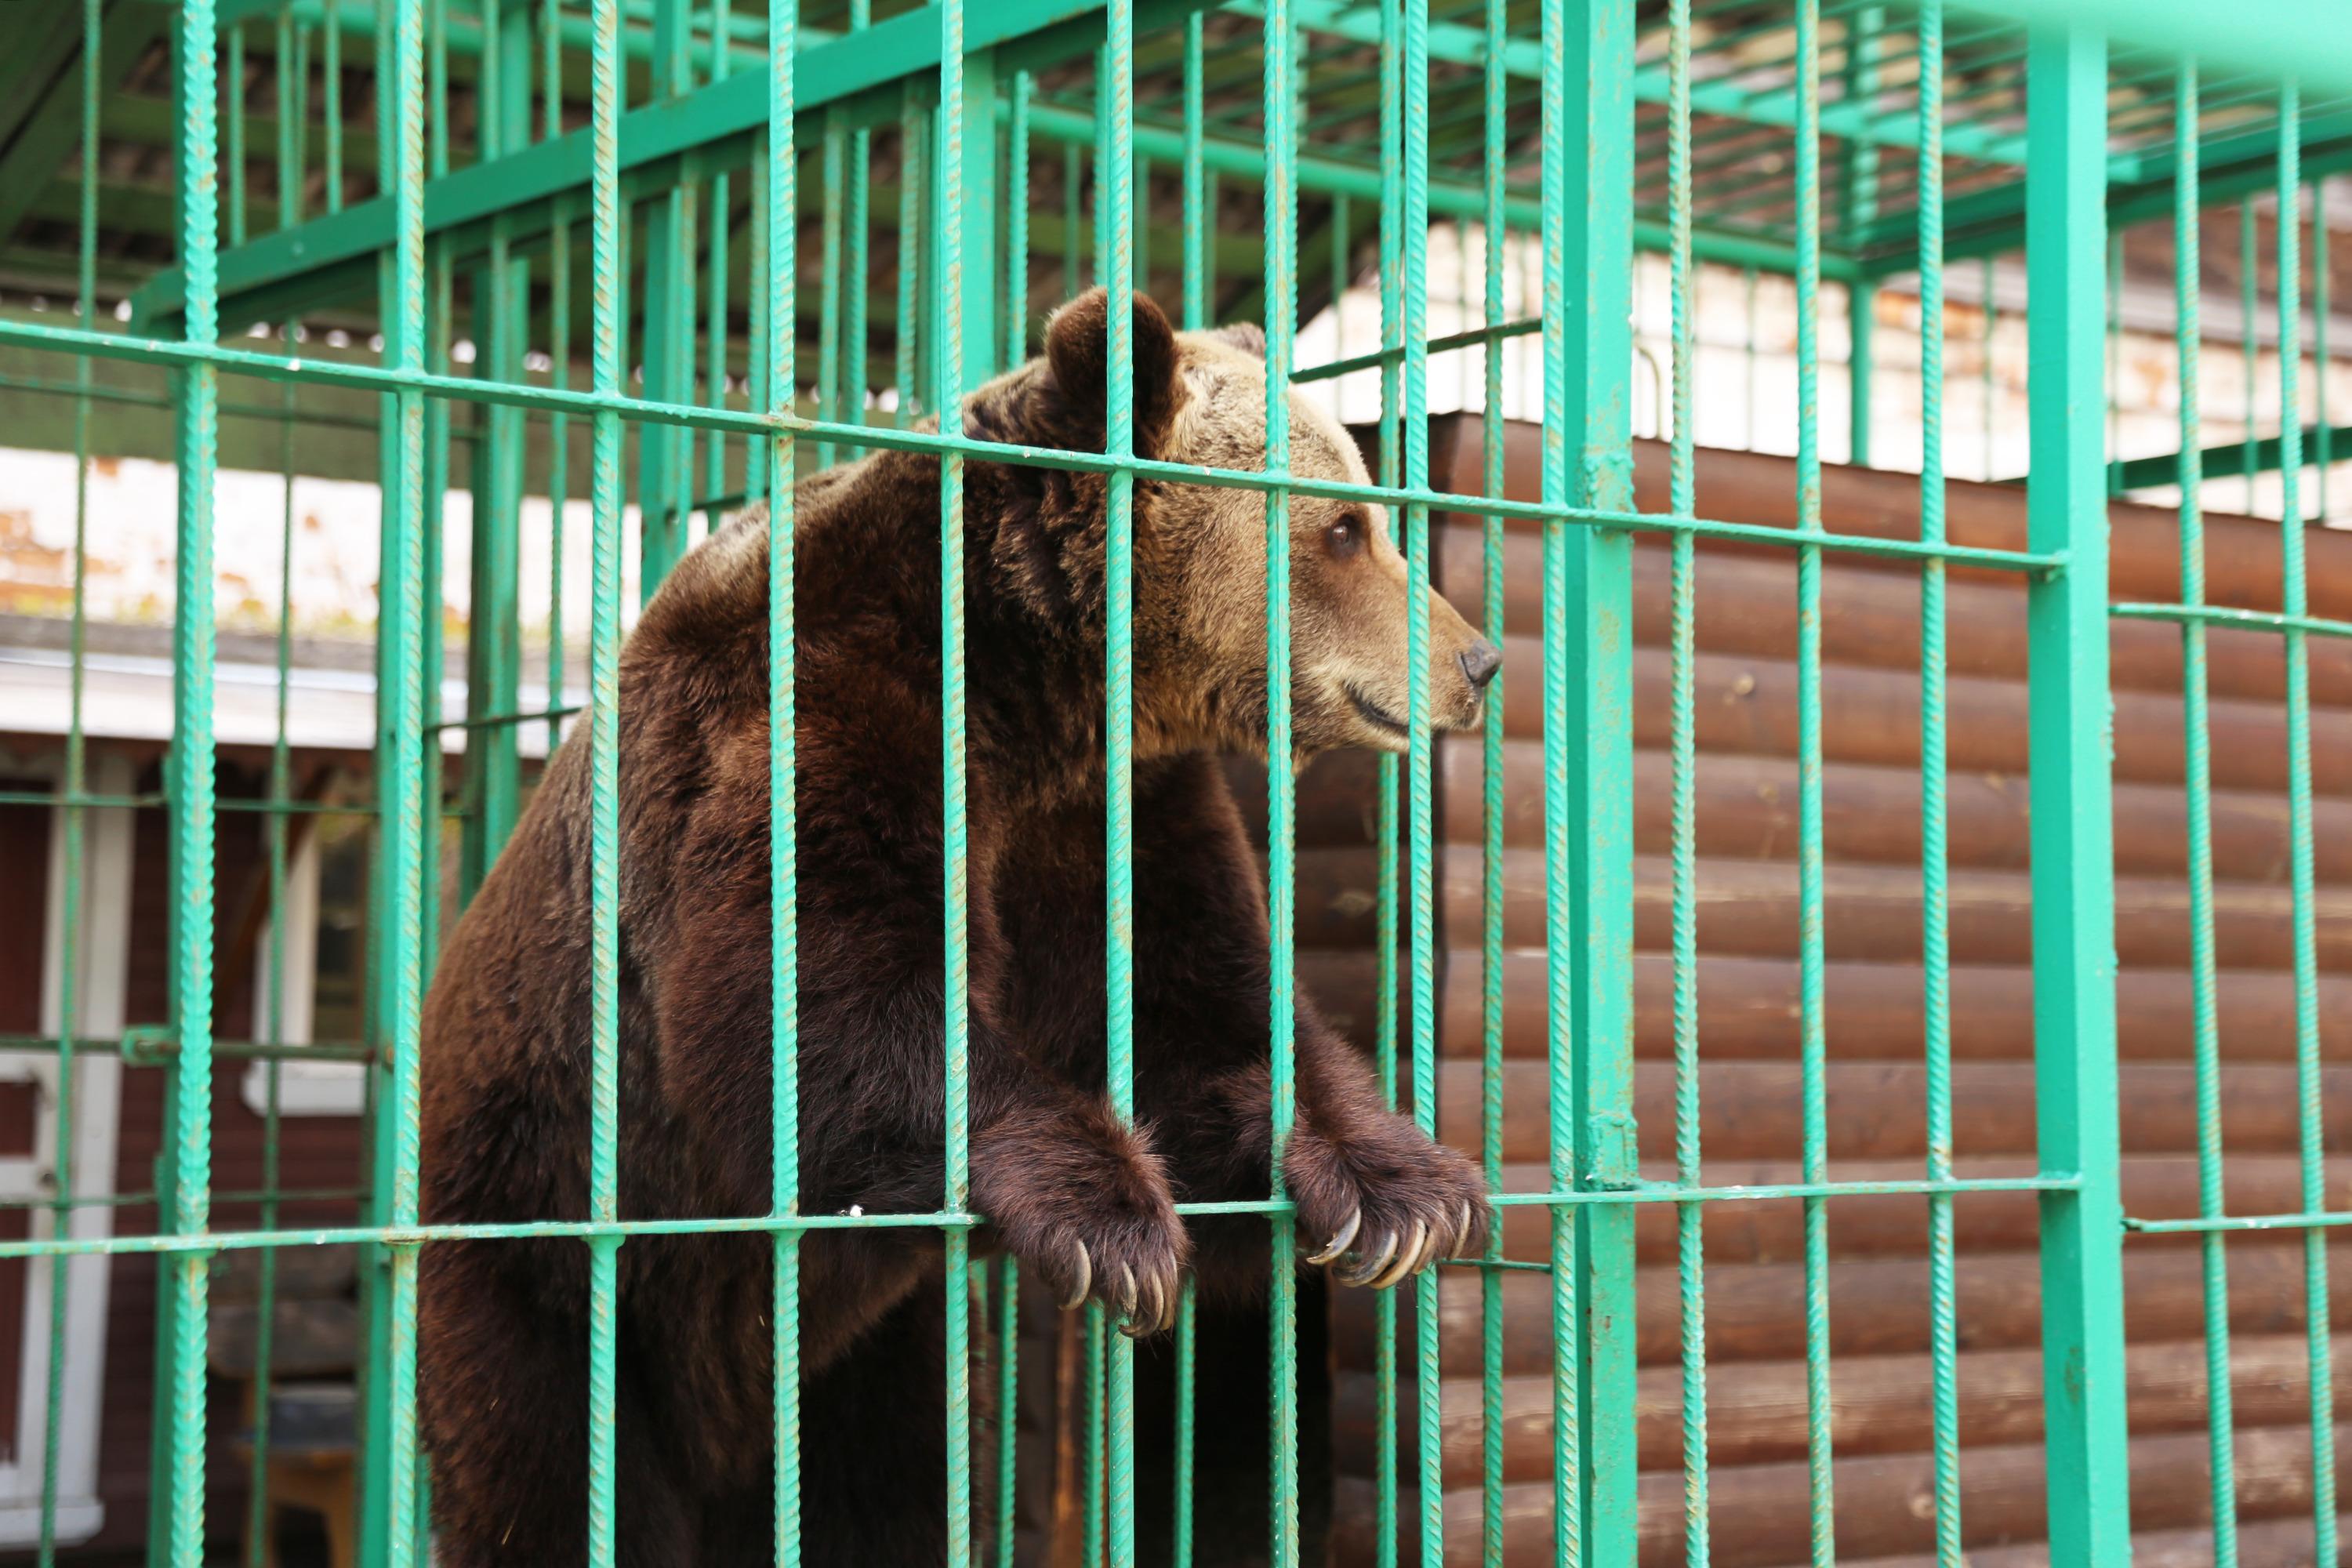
x=504, y=1329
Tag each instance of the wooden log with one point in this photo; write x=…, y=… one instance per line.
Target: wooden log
x=1750, y=908
x=2283, y=1543
x=1745, y=807
x=1878, y=1305
x=1746, y=603
x=1759, y=1518
x=1753, y=1110
x=1749, y=705
x=1748, y=1008
x=1756, y=1410
x=1760, y=489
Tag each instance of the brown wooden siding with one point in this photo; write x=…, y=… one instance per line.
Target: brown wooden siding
x=1748, y=1018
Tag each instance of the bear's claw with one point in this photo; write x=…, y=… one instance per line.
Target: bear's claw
x=1409, y=1258
x=1374, y=1262
x=1085, y=1278
x=1338, y=1243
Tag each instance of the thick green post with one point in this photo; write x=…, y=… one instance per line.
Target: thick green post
x=2072, y=847
x=1588, y=644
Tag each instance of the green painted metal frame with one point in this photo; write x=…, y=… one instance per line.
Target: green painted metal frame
x=947, y=77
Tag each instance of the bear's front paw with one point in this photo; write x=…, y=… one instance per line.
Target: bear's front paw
x=1387, y=1199
x=1092, y=1217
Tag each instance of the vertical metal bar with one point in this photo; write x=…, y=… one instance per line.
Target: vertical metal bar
x=1935, y=854
x=559, y=459
x=1016, y=211
x=1196, y=263
x=833, y=149
x=1588, y=202
x=611, y=282
x=1496, y=238
x=1124, y=215
x=1690, y=1218
x=2249, y=285
x=2323, y=455
x=332, y=53
x=73, y=823
x=1985, y=384
x=1196, y=238
x=663, y=476
x=1008, y=1391
x=966, y=312
x=2295, y=600
x=400, y=741
x=1860, y=208
x=1389, y=805
x=2196, y=775
x=232, y=113
x=777, y=333
x=911, y=203
x=722, y=223
x=430, y=652
x=1072, y=232
x=284, y=89
x=272, y=1007
x=1280, y=112
x=1813, y=1038
x=2070, y=732
x=189, y=1149
x=1422, y=909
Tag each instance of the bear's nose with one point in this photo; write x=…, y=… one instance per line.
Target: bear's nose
x=1480, y=661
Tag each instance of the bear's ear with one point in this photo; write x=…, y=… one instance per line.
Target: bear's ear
x=1246, y=336
x=1078, y=348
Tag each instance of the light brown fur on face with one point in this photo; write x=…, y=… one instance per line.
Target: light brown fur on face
x=1201, y=596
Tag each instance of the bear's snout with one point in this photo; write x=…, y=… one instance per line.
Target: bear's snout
x=1479, y=662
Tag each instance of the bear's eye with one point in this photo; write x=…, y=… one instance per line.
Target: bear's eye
x=1345, y=537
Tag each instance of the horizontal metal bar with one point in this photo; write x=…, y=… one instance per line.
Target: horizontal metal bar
x=2208, y=1225
x=1668, y=1193
x=420, y=1235
x=136, y=1200
x=144, y=1048
x=2222, y=615
x=1527, y=327
x=278, y=413
x=562, y=401
x=2227, y=459
x=499, y=721
x=144, y=802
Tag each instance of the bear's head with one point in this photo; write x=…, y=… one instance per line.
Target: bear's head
x=1200, y=550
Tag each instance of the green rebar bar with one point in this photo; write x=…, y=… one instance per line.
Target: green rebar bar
x=2295, y=600
x=1388, y=806
x=1280, y=112
x=1118, y=732
x=1421, y=905
x=1016, y=224
x=948, y=358
x=190, y=782
x=1493, y=799
x=1193, y=174
x=606, y=226
x=1935, y=804
x=1813, y=1038
x=776, y=229
x=2248, y=284
x=72, y=822
x=2198, y=784
x=1690, y=1220
x=911, y=200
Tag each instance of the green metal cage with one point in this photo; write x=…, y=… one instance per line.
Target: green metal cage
x=701, y=196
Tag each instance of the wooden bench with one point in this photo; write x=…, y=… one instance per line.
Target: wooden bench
x=312, y=1462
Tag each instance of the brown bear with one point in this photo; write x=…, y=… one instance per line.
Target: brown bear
x=1085, y=1202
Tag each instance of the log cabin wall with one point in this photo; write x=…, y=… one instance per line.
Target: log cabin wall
x=1747, y=1028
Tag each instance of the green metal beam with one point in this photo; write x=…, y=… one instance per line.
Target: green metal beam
x=50, y=123
x=2229, y=459
x=718, y=121
x=1458, y=43
x=2072, y=733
